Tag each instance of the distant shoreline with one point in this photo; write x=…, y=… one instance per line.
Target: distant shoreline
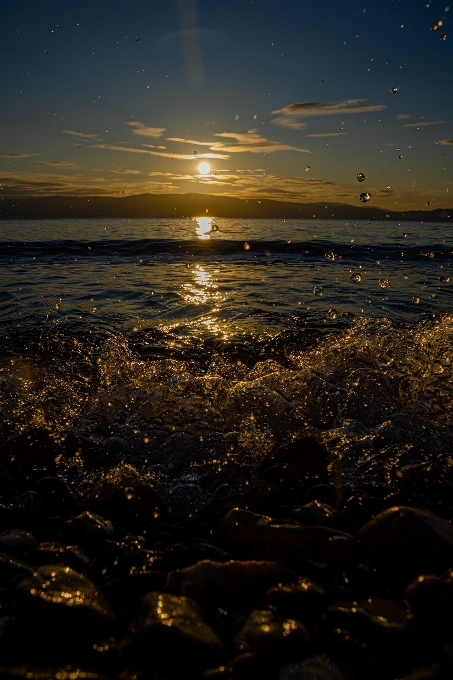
x=195, y=205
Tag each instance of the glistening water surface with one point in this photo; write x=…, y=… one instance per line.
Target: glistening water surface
x=184, y=351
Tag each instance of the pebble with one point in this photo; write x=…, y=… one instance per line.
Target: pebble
x=321, y=544
x=169, y=632
x=66, y=673
x=315, y=513
x=88, y=528
x=305, y=600
x=430, y=599
x=306, y=455
x=30, y=454
x=17, y=542
x=315, y=668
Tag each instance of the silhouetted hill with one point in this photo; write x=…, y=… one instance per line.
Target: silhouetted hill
x=196, y=205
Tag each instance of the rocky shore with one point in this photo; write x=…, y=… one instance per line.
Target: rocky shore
x=300, y=578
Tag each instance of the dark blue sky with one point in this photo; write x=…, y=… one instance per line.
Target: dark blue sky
x=110, y=97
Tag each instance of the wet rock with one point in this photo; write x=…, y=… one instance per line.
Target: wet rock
x=315, y=513
x=88, y=528
x=169, y=632
x=358, y=510
x=321, y=544
x=306, y=455
x=51, y=552
x=11, y=568
x=31, y=673
x=430, y=598
x=27, y=510
x=61, y=598
x=377, y=621
x=242, y=529
x=17, y=542
x=207, y=580
x=30, y=454
x=408, y=540
x=335, y=495
x=124, y=594
x=435, y=672
x=305, y=601
x=419, y=476
x=280, y=478
x=315, y=668
x=54, y=493
x=271, y=638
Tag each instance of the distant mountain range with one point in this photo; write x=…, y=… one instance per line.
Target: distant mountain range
x=197, y=205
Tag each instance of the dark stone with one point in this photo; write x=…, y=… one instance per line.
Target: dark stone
x=59, y=598
x=31, y=673
x=305, y=601
x=408, y=540
x=273, y=639
x=315, y=668
x=321, y=544
x=17, y=542
x=55, y=493
x=88, y=528
x=435, y=672
x=306, y=455
x=242, y=529
x=124, y=594
x=431, y=601
x=169, y=633
x=10, y=568
x=358, y=510
x=27, y=510
x=376, y=621
x=335, y=495
x=50, y=552
x=315, y=513
x=30, y=454
x=280, y=478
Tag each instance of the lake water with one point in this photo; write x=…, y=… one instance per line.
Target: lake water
x=181, y=349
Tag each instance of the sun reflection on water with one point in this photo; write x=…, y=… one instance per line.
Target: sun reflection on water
x=204, y=227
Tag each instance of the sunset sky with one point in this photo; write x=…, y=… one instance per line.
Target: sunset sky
x=286, y=100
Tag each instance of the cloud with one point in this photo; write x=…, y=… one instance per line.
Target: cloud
x=82, y=135
x=445, y=142
x=303, y=109
x=63, y=164
x=424, y=123
x=178, y=156
x=327, y=134
x=141, y=129
x=126, y=172
x=287, y=122
x=18, y=155
x=402, y=116
x=249, y=141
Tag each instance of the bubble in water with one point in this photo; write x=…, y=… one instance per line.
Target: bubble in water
x=317, y=290
x=329, y=256
x=394, y=89
x=416, y=300
x=436, y=25
x=384, y=283
x=365, y=197
x=360, y=176
x=356, y=277
x=246, y=246
x=443, y=37
x=444, y=278
x=332, y=313
x=369, y=300
x=130, y=492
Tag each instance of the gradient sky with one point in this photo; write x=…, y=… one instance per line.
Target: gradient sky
x=284, y=99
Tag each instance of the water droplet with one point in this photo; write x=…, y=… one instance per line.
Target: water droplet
x=436, y=25
x=394, y=89
x=447, y=8
x=443, y=37
x=444, y=278
x=428, y=3
x=365, y=197
x=360, y=176
x=130, y=492
x=400, y=157
x=329, y=256
x=307, y=168
x=369, y=300
x=195, y=153
x=404, y=235
x=416, y=300
x=137, y=39
x=332, y=313
x=388, y=186
x=402, y=26
x=438, y=369
x=384, y=283
x=246, y=246
x=95, y=309
x=356, y=277
x=317, y=290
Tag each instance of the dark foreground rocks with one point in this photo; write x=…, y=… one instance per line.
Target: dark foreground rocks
x=318, y=582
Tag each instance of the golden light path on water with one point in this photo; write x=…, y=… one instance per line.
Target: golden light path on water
x=204, y=227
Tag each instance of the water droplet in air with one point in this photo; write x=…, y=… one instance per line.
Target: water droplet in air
x=404, y=235
x=195, y=153
x=332, y=313
x=307, y=168
x=438, y=369
x=130, y=492
x=360, y=176
x=436, y=25
x=329, y=256
x=365, y=197
x=46, y=52
x=447, y=8
x=137, y=39
x=428, y=3
x=317, y=290
x=388, y=186
x=416, y=300
x=443, y=37
x=369, y=300
x=246, y=246
x=356, y=277
x=95, y=309
x=400, y=157
x=394, y=89
x=444, y=278
x=384, y=283
x=214, y=227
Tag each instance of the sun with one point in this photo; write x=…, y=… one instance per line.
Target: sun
x=204, y=168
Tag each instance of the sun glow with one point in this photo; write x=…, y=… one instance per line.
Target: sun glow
x=204, y=168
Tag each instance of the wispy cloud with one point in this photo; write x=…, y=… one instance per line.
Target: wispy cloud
x=402, y=116
x=304, y=109
x=62, y=164
x=142, y=129
x=81, y=135
x=126, y=172
x=287, y=122
x=424, y=123
x=18, y=155
x=249, y=141
x=178, y=156
x=446, y=142
x=326, y=134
